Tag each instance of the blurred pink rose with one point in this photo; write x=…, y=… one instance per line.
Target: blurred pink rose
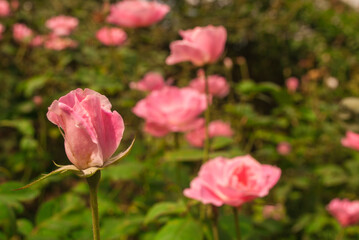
x=62, y=25
x=284, y=148
x=14, y=4
x=137, y=13
x=57, y=43
x=111, y=36
x=292, y=84
x=2, y=29
x=38, y=40
x=171, y=109
x=200, y=45
x=217, y=85
x=216, y=128
x=275, y=212
x=22, y=33
x=4, y=8
x=351, y=140
x=150, y=82
x=345, y=211
x=232, y=181
x=92, y=132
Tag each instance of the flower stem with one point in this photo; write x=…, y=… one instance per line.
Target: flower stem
x=207, y=118
x=236, y=223
x=340, y=235
x=215, y=223
x=93, y=182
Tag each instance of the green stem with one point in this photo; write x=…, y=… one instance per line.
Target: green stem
x=207, y=118
x=236, y=223
x=215, y=223
x=93, y=182
x=340, y=235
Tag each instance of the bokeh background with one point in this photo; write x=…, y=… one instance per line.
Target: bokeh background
x=316, y=41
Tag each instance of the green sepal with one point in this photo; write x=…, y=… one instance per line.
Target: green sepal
x=120, y=155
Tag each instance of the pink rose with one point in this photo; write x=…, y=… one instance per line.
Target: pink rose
x=345, y=211
x=2, y=29
x=56, y=43
x=150, y=82
x=137, y=13
x=284, y=148
x=217, y=85
x=232, y=181
x=4, y=8
x=351, y=140
x=200, y=45
x=171, y=109
x=216, y=128
x=22, y=33
x=92, y=132
x=62, y=25
x=292, y=84
x=111, y=36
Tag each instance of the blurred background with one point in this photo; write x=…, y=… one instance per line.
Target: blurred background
x=269, y=41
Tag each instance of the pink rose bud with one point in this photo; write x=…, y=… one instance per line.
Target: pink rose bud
x=111, y=36
x=150, y=82
x=217, y=85
x=14, y=4
x=54, y=42
x=22, y=33
x=38, y=100
x=284, y=148
x=345, y=211
x=215, y=129
x=92, y=132
x=228, y=63
x=292, y=84
x=351, y=140
x=275, y=212
x=137, y=13
x=2, y=29
x=4, y=8
x=171, y=109
x=232, y=181
x=200, y=45
x=62, y=25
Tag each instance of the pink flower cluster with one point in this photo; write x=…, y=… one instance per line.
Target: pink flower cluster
x=215, y=129
x=132, y=14
x=60, y=26
x=345, y=211
x=232, y=181
x=6, y=8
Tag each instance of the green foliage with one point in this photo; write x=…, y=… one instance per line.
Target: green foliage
x=141, y=197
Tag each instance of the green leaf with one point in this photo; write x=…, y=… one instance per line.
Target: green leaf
x=164, y=208
x=184, y=155
x=123, y=171
x=12, y=198
x=332, y=175
x=24, y=226
x=7, y=220
x=115, y=228
x=32, y=84
x=221, y=142
x=180, y=229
